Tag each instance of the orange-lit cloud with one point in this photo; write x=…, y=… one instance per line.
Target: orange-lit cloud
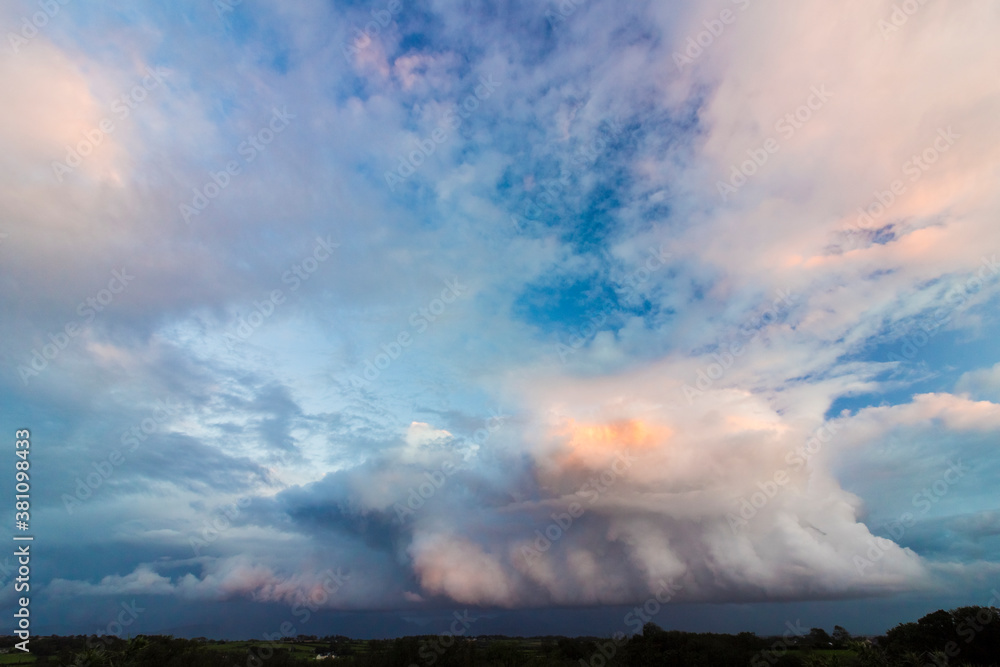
x=592, y=446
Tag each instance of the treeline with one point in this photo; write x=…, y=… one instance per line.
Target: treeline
x=149, y=651
x=966, y=636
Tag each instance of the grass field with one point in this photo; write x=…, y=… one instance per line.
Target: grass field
x=508, y=651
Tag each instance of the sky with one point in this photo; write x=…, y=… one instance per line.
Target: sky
x=349, y=317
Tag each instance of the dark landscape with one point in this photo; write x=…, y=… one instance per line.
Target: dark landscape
x=964, y=636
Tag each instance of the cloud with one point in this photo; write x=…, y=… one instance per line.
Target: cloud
x=735, y=388
x=983, y=383
x=221, y=580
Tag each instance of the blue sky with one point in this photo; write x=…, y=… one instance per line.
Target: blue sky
x=282, y=300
